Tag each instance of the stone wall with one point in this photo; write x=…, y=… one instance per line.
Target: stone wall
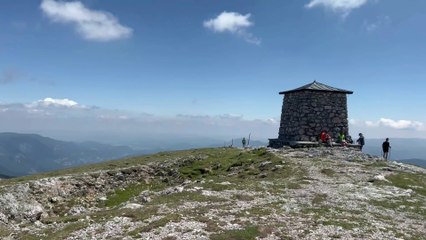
x=306, y=113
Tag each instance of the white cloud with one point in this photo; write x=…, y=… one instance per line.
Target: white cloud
x=385, y=127
x=113, y=117
x=401, y=124
x=380, y=21
x=229, y=21
x=390, y=123
x=343, y=7
x=90, y=24
x=234, y=23
x=68, y=117
x=52, y=102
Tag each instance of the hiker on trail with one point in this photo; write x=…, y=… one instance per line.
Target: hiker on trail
x=360, y=141
x=385, y=147
x=341, y=139
x=244, y=142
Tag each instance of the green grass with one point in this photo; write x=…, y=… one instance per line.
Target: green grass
x=122, y=195
x=61, y=219
x=67, y=230
x=402, y=204
x=156, y=224
x=319, y=198
x=208, y=168
x=193, y=164
x=214, y=186
x=62, y=208
x=378, y=164
x=53, y=233
x=329, y=172
x=248, y=233
x=414, y=181
x=317, y=212
x=243, y=197
x=176, y=199
x=260, y=211
x=4, y=232
x=116, y=164
x=341, y=223
x=222, y=162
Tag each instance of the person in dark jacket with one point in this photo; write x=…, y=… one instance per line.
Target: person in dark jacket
x=360, y=141
x=385, y=147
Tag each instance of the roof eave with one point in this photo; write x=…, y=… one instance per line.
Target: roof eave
x=292, y=91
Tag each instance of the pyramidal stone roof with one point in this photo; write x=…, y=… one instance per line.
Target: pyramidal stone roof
x=317, y=86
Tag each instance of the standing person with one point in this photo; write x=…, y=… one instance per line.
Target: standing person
x=244, y=142
x=385, y=147
x=361, y=141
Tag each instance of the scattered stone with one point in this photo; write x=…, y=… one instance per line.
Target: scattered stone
x=380, y=178
x=264, y=164
x=225, y=183
x=77, y=210
x=277, y=167
x=133, y=206
x=103, y=198
x=344, y=205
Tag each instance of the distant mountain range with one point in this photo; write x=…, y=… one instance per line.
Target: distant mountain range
x=414, y=161
x=23, y=154
x=406, y=150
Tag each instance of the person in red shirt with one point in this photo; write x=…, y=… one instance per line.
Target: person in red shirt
x=325, y=138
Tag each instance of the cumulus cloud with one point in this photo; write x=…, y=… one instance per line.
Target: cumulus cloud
x=343, y=7
x=90, y=24
x=385, y=127
x=396, y=124
x=234, y=23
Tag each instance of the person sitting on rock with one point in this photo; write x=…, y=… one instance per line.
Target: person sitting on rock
x=329, y=140
x=341, y=139
x=349, y=139
x=325, y=138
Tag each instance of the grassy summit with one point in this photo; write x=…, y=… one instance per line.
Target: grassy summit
x=221, y=193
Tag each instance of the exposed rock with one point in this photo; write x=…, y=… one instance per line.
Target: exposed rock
x=133, y=206
x=311, y=193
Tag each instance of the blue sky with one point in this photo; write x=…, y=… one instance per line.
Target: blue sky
x=207, y=67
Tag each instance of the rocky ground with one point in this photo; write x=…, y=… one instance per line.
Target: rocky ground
x=223, y=193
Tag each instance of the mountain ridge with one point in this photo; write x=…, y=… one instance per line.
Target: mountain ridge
x=23, y=154
x=221, y=193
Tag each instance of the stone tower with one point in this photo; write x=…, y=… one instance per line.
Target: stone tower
x=308, y=110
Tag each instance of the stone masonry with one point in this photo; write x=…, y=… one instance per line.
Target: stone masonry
x=308, y=110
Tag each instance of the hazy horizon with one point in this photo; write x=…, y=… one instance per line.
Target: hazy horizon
x=118, y=70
